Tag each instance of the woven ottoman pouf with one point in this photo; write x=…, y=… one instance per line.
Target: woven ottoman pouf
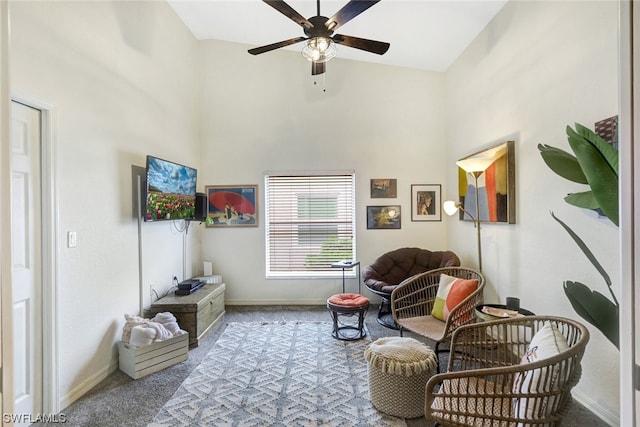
x=398, y=372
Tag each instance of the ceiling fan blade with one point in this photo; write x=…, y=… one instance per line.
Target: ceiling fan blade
x=289, y=12
x=348, y=12
x=318, y=68
x=273, y=46
x=372, y=46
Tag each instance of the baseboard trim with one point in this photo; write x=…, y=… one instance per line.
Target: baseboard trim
x=373, y=301
x=600, y=411
x=82, y=388
x=275, y=302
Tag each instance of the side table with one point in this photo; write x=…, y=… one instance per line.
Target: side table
x=482, y=316
x=506, y=333
x=344, y=265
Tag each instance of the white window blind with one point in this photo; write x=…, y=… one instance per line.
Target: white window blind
x=310, y=223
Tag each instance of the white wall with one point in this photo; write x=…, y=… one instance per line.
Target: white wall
x=127, y=80
x=263, y=113
x=123, y=79
x=538, y=67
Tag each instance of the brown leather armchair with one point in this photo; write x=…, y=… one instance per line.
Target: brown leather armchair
x=384, y=274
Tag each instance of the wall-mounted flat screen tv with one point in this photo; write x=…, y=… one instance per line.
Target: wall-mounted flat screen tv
x=171, y=190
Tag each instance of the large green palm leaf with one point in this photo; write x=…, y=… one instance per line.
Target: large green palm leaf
x=564, y=164
x=596, y=164
x=595, y=308
x=592, y=306
x=600, y=169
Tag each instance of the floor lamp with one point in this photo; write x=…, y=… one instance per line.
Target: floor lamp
x=476, y=167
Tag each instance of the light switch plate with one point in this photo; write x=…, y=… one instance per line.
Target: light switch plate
x=72, y=239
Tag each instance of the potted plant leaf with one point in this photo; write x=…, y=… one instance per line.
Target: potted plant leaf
x=595, y=164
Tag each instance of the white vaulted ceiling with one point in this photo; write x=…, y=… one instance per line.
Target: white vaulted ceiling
x=424, y=34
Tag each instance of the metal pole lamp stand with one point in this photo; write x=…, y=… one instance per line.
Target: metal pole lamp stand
x=476, y=167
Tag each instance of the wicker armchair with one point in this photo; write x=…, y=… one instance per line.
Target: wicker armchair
x=412, y=302
x=384, y=274
x=488, y=383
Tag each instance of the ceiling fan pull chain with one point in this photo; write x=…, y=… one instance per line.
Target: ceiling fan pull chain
x=324, y=81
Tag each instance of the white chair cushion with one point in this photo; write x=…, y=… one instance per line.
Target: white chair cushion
x=547, y=342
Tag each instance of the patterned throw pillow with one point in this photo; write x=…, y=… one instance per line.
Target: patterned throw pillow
x=547, y=342
x=458, y=292
x=458, y=288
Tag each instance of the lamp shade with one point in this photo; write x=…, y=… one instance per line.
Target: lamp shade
x=475, y=164
x=450, y=207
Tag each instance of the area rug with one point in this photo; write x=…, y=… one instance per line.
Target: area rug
x=285, y=373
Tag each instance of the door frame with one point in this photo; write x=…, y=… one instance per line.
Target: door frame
x=629, y=207
x=49, y=249
x=6, y=299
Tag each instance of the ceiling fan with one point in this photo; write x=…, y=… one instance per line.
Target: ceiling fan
x=320, y=46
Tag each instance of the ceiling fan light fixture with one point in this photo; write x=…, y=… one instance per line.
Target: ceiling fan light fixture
x=319, y=49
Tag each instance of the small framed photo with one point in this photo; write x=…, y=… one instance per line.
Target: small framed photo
x=384, y=188
x=383, y=217
x=232, y=205
x=425, y=202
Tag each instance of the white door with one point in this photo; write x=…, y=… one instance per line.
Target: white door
x=26, y=258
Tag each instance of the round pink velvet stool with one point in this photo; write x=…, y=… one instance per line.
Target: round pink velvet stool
x=344, y=306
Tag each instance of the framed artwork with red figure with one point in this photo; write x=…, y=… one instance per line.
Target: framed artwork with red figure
x=232, y=205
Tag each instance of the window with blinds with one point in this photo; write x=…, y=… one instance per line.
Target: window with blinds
x=310, y=223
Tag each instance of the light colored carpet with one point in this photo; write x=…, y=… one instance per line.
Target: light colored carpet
x=121, y=401
x=277, y=373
